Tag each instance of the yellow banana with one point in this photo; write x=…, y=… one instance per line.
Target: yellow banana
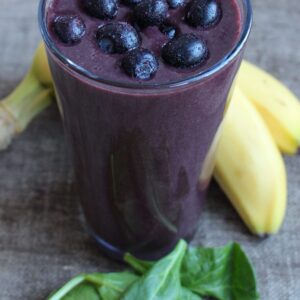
x=30, y=97
x=278, y=106
x=40, y=66
x=250, y=169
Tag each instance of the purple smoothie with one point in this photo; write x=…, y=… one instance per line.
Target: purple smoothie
x=143, y=150
x=219, y=39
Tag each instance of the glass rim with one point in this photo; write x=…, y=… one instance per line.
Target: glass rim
x=68, y=63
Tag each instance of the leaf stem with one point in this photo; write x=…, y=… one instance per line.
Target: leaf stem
x=63, y=291
x=139, y=266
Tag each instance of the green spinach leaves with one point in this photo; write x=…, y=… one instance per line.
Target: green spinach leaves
x=187, y=273
x=95, y=286
x=162, y=281
x=223, y=273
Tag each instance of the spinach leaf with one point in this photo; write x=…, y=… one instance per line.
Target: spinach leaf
x=142, y=266
x=223, y=273
x=112, y=285
x=95, y=286
x=76, y=289
x=162, y=281
x=188, y=295
x=83, y=291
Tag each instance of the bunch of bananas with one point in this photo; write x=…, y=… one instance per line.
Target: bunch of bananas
x=263, y=119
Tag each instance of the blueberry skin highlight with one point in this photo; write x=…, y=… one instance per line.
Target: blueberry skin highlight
x=69, y=29
x=140, y=63
x=101, y=9
x=170, y=30
x=185, y=51
x=204, y=13
x=150, y=12
x=175, y=3
x=117, y=37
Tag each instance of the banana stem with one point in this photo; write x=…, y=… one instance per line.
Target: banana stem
x=19, y=108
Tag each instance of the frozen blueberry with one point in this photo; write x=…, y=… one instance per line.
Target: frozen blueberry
x=140, y=63
x=204, y=13
x=69, y=29
x=175, y=3
x=169, y=30
x=117, y=37
x=151, y=12
x=185, y=51
x=102, y=9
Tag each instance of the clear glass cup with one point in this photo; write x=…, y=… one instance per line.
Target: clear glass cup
x=143, y=154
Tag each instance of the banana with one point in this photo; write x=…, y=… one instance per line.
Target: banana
x=278, y=106
x=30, y=97
x=249, y=168
x=40, y=66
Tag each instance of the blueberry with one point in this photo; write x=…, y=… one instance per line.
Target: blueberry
x=117, y=37
x=169, y=30
x=204, y=13
x=186, y=50
x=140, y=63
x=69, y=29
x=150, y=12
x=175, y=3
x=102, y=9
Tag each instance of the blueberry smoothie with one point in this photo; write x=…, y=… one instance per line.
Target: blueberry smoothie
x=143, y=86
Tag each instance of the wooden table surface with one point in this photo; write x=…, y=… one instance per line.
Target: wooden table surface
x=42, y=240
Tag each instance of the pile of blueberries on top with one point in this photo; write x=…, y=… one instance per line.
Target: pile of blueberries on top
x=182, y=51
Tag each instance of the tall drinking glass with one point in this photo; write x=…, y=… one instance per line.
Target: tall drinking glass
x=143, y=153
